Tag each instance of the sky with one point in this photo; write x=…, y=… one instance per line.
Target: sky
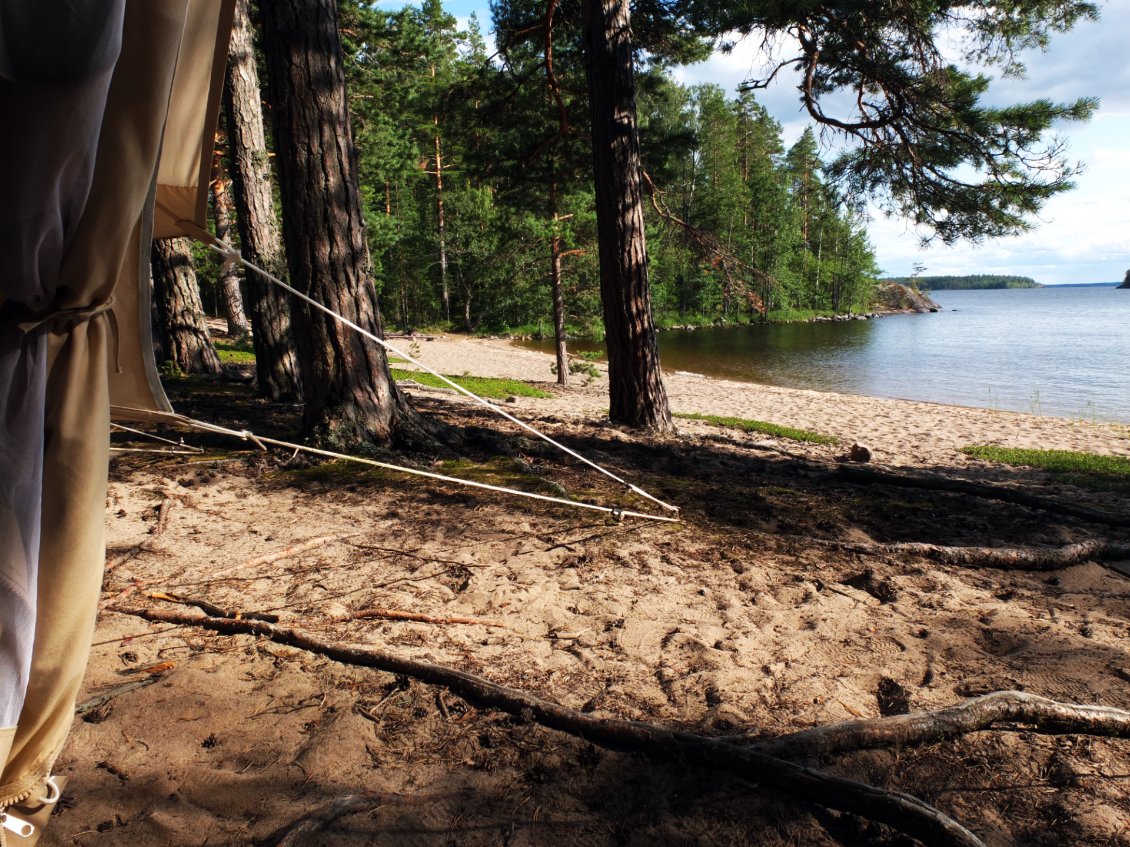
x=1080, y=236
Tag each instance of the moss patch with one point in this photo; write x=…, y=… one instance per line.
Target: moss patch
x=490, y=388
x=1092, y=470
x=503, y=471
x=235, y=353
x=761, y=426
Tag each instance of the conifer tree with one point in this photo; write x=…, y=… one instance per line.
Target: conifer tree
x=350, y=397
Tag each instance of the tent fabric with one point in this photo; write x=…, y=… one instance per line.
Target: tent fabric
x=181, y=201
x=53, y=147
x=82, y=143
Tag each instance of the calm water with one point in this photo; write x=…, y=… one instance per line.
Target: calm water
x=1052, y=351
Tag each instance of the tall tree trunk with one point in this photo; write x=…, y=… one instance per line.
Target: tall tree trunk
x=184, y=332
x=637, y=396
x=557, y=289
x=350, y=397
x=445, y=291
x=276, y=363
x=231, y=298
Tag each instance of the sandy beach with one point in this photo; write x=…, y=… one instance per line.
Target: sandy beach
x=777, y=605
x=899, y=432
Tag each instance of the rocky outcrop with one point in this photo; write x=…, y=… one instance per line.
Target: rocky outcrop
x=895, y=297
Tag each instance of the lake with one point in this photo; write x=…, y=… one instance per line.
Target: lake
x=1060, y=351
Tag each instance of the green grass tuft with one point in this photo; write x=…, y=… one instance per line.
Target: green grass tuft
x=1087, y=469
x=763, y=427
x=236, y=352
x=229, y=356
x=490, y=388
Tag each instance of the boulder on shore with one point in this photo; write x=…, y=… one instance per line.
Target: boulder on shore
x=896, y=297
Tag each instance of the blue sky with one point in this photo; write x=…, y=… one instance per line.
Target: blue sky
x=1081, y=236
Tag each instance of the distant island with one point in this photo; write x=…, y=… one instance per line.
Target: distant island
x=960, y=283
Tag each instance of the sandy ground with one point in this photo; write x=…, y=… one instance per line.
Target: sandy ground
x=900, y=432
x=751, y=616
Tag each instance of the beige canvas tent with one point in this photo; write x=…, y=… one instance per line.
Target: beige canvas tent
x=106, y=148
x=181, y=200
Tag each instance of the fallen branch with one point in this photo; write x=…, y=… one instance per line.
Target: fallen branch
x=1037, y=714
x=1004, y=558
x=988, y=491
x=901, y=811
x=395, y=615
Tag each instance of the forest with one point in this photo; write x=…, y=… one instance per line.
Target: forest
x=740, y=226
x=969, y=281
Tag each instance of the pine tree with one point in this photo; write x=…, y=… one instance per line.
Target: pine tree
x=184, y=332
x=350, y=397
x=260, y=239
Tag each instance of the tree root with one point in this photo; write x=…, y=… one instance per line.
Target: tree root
x=984, y=490
x=1003, y=558
x=310, y=824
x=1037, y=714
x=211, y=609
x=750, y=762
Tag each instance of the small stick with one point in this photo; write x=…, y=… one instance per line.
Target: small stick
x=163, y=510
x=106, y=696
x=289, y=552
x=396, y=615
x=213, y=610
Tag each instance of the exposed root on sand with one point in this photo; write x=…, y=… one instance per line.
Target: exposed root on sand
x=754, y=762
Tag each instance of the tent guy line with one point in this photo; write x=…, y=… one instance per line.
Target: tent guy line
x=231, y=255
x=262, y=441
x=182, y=447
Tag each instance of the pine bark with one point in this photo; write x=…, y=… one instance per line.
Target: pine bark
x=184, y=332
x=441, y=226
x=231, y=298
x=557, y=289
x=276, y=362
x=637, y=396
x=350, y=397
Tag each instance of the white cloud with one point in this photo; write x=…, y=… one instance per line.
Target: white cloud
x=1082, y=236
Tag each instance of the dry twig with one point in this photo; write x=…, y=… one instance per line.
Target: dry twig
x=289, y=552
x=396, y=615
x=106, y=696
